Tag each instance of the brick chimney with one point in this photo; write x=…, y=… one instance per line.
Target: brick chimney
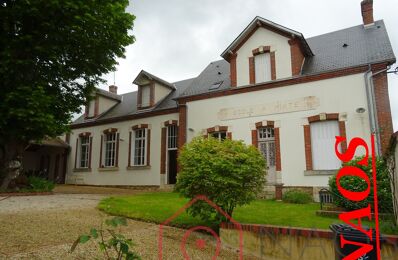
x=367, y=12
x=113, y=89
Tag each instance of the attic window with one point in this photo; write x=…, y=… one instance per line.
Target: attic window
x=215, y=85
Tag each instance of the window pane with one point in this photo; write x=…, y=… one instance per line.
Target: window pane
x=322, y=144
x=262, y=64
x=145, y=92
x=139, y=147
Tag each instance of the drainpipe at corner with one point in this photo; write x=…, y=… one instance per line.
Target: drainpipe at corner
x=374, y=123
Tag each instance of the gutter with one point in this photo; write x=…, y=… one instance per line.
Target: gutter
x=371, y=100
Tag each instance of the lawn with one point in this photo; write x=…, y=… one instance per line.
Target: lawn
x=159, y=206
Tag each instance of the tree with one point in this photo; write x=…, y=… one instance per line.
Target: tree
x=52, y=54
x=229, y=173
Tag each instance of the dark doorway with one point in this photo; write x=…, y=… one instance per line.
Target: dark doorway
x=172, y=166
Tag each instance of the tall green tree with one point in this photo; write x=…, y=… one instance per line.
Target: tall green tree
x=52, y=54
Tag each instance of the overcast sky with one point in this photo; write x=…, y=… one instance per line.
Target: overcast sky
x=176, y=39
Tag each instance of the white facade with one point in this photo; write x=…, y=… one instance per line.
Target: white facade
x=121, y=175
x=332, y=95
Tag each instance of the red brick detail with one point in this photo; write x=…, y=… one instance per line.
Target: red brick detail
x=343, y=134
x=278, y=191
x=254, y=138
x=148, y=151
x=220, y=129
x=113, y=89
x=110, y=130
x=384, y=118
x=84, y=134
x=100, y=160
x=307, y=145
x=297, y=56
x=117, y=150
x=173, y=122
x=139, y=97
x=277, y=84
x=96, y=106
x=77, y=149
x=269, y=124
x=140, y=126
x=367, y=11
x=278, y=164
x=229, y=135
x=265, y=50
x=273, y=66
x=90, y=152
x=152, y=95
x=86, y=110
x=129, y=153
x=316, y=118
x=233, y=74
x=252, y=71
x=182, y=129
x=163, y=151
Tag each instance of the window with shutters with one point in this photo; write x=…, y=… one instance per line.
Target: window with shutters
x=145, y=96
x=262, y=65
x=323, y=134
x=140, y=147
x=84, y=151
x=110, y=150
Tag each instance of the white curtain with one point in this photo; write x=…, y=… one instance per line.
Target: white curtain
x=262, y=64
x=323, y=136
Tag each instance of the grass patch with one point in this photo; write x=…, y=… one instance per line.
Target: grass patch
x=159, y=206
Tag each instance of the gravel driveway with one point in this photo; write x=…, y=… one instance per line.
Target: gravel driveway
x=44, y=227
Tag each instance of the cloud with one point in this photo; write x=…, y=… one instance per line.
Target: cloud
x=176, y=39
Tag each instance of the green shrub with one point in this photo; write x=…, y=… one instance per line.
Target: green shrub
x=297, y=197
x=353, y=183
x=228, y=172
x=40, y=185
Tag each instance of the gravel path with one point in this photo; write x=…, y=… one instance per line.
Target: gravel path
x=44, y=227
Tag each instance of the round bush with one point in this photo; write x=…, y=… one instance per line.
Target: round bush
x=297, y=197
x=228, y=172
x=356, y=184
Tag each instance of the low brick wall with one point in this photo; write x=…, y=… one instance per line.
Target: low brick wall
x=276, y=242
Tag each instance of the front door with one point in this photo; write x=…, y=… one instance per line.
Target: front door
x=172, y=166
x=266, y=145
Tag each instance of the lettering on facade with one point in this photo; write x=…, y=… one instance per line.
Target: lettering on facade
x=278, y=107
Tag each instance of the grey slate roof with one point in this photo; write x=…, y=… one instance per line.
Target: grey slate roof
x=364, y=46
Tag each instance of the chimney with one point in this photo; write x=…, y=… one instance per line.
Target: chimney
x=367, y=12
x=113, y=89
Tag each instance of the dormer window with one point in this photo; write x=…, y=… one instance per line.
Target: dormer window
x=262, y=65
x=151, y=90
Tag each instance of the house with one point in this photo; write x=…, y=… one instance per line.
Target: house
x=286, y=94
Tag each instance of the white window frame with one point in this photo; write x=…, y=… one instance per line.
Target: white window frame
x=323, y=135
x=266, y=136
x=262, y=67
x=172, y=137
x=110, y=149
x=139, y=154
x=84, y=155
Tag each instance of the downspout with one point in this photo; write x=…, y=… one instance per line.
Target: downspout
x=374, y=125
